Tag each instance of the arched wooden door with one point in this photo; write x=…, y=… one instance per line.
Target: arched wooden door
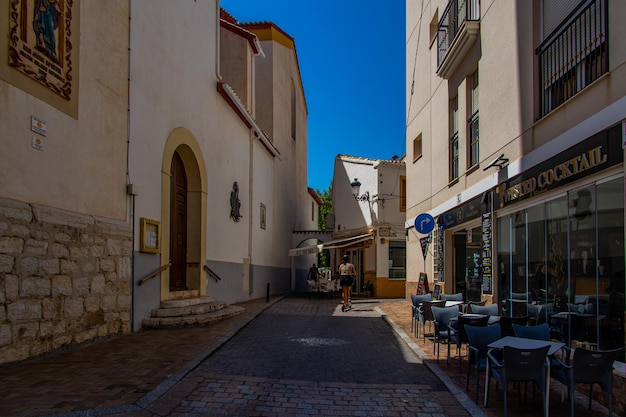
x=178, y=225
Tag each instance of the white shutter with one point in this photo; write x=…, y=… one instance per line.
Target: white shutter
x=554, y=12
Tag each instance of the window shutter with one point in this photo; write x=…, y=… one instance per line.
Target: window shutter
x=554, y=12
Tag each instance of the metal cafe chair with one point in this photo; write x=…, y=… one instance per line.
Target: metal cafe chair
x=427, y=313
x=457, y=334
x=479, y=337
x=518, y=365
x=417, y=310
x=589, y=367
x=442, y=317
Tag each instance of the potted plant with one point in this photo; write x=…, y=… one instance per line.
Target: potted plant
x=368, y=288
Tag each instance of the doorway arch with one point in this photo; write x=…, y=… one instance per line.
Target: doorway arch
x=185, y=200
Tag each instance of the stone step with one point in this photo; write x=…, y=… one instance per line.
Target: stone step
x=194, y=319
x=184, y=294
x=186, y=302
x=189, y=310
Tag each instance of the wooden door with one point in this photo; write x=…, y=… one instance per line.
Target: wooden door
x=178, y=225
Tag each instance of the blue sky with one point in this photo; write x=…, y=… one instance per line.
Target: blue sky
x=352, y=63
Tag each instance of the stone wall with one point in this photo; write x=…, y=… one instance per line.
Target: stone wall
x=64, y=279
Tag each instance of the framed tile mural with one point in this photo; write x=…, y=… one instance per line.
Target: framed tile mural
x=41, y=44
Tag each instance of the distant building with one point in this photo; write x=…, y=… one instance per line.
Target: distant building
x=369, y=197
x=515, y=146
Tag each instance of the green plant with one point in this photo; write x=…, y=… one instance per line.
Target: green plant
x=368, y=286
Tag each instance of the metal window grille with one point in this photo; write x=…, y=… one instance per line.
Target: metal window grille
x=574, y=55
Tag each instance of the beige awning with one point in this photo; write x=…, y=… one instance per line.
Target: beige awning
x=331, y=244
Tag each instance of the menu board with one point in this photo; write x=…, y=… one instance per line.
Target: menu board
x=422, y=284
x=487, y=255
x=438, y=254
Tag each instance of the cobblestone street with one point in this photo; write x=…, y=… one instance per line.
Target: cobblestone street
x=293, y=356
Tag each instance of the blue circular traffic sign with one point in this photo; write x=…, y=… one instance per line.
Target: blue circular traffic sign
x=424, y=223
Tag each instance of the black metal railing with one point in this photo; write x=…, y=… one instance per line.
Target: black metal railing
x=454, y=156
x=456, y=13
x=211, y=273
x=474, y=134
x=574, y=55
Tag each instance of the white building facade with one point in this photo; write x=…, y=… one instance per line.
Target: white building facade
x=227, y=214
x=138, y=168
x=515, y=135
x=368, y=198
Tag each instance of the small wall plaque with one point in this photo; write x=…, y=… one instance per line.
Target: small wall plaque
x=150, y=238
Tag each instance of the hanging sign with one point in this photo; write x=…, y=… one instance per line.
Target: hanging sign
x=425, y=241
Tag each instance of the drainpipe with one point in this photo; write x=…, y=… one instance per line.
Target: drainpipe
x=129, y=186
x=218, y=75
x=250, y=221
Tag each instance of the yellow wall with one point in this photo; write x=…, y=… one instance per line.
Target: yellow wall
x=386, y=288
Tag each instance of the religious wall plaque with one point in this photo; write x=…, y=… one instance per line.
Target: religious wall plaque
x=40, y=42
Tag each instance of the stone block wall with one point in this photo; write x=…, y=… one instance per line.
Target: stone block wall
x=65, y=278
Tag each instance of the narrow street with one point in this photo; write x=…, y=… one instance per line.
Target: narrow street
x=309, y=358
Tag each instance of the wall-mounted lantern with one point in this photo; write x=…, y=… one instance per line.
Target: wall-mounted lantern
x=356, y=188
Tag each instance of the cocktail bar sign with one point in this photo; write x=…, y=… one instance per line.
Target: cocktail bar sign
x=599, y=152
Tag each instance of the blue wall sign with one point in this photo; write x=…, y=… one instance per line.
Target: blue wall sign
x=424, y=223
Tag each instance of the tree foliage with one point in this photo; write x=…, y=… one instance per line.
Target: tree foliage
x=325, y=209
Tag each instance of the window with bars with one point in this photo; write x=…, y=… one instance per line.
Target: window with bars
x=472, y=122
x=574, y=54
x=454, y=139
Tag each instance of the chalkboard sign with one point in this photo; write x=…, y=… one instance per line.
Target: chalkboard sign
x=437, y=292
x=422, y=284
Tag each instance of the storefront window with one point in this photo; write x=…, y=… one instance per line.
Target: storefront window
x=397, y=259
x=562, y=262
x=610, y=263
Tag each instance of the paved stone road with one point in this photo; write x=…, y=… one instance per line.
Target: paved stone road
x=303, y=358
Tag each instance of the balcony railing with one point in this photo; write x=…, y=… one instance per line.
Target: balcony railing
x=574, y=55
x=456, y=14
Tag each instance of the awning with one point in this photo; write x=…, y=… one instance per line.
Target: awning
x=331, y=244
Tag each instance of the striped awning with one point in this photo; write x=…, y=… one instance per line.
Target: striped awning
x=331, y=244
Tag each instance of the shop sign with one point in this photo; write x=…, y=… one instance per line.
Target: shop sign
x=487, y=254
x=466, y=212
x=590, y=156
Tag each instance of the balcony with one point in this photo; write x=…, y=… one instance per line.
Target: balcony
x=574, y=55
x=457, y=32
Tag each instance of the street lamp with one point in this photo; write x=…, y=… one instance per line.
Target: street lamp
x=356, y=187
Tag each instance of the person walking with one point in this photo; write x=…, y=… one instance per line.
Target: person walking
x=314, y=273
x=347, y=272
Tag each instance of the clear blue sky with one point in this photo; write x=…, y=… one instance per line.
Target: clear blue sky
x=352, y=62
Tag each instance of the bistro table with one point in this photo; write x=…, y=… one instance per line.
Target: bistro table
x=524, y=343
x=450, y=303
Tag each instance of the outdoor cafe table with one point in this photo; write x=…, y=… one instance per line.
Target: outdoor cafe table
x=524, y=343
x=450, y=303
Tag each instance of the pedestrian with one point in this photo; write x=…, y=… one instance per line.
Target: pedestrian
x=313, y=273
x=347, y=272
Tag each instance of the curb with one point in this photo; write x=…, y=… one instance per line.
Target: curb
x=458, y=393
